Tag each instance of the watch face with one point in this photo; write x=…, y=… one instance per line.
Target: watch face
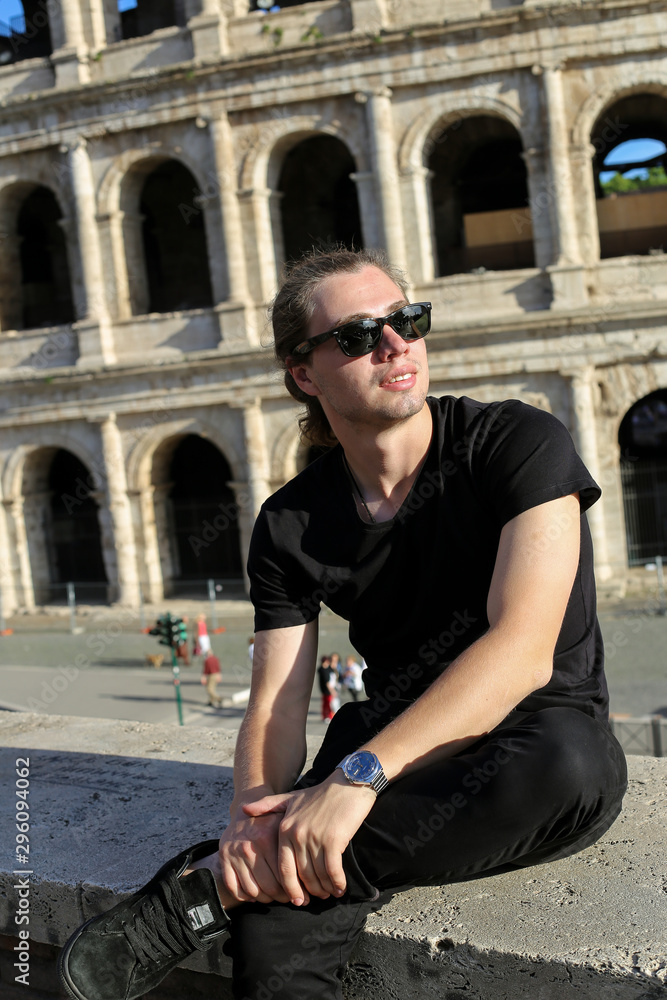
x=362, y=766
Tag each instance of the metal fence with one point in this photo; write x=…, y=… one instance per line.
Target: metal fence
x=646, y=735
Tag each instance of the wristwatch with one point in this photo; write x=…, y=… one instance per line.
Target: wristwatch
x=363, y=768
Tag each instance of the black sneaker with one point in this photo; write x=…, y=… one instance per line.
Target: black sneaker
x=126, y=952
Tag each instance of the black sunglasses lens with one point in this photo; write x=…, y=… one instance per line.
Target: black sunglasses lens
x=411, y=322
x=358, y=339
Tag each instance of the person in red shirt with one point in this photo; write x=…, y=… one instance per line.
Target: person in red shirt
x=211, y=677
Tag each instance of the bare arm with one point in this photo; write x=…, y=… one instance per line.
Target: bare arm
x=535, y=568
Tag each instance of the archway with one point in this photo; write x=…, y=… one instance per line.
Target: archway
x=24, y=31
x=479, y=194
x=46, y=291
x=319, y=205
x=141, y=17
x=642, y=437
x=62, y=526
x=196, y=516
x=176, y=255
x=629, y=170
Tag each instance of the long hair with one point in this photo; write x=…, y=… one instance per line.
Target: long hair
x=292, y=310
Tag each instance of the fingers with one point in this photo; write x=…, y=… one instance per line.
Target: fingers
x=305, y=865
x=269, y=804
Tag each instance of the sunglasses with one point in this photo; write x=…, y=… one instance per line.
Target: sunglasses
x=361, y=336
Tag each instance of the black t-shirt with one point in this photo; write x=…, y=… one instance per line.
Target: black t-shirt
x=414, y=589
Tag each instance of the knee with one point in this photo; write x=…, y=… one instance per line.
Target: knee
x=578, y=752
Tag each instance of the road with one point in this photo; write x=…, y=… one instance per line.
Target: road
x=102, y=672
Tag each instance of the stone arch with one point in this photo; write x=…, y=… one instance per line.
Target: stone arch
x=642, y=439
x=57, y=494
x=618, y=85
x=190, y=514
x=318, y=201
x=140, y=458
x=28, y=37
x=35, y=284
x=262, y=162
x=479, y=194
x=414, y=145
x=631, y=211
x=119, y=201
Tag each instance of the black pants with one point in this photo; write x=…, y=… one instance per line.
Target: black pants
x=539, y=787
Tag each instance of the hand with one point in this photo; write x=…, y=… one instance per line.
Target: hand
x=249, y=859
x=315, y=826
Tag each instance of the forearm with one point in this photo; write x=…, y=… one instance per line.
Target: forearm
x=474, y=694
x=270, y=753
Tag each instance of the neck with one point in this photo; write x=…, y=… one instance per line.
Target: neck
x=386, y=464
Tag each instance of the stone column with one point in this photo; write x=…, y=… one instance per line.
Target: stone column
x=259, y=202
x=208, y=30
x=567, y=272
x=151, y=553
x=368, y=207
x=71, y=59
x=583, y=408
x=8, y=593
x=257, y=455
x=120, y=513
x=232, y=228
x=95, y=333
x=586, y=203
x=14, y=508
x=420, y=242
x=383, y=157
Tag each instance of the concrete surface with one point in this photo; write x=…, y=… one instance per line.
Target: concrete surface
x=110, y=801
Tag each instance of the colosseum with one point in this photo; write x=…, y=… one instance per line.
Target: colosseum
x=160, y=160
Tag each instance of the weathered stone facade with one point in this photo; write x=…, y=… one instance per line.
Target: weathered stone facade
x=228, y=95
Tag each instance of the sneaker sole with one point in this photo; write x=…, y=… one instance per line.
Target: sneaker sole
x=63, y=974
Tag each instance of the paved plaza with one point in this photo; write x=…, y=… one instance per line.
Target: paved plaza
x=101, y=671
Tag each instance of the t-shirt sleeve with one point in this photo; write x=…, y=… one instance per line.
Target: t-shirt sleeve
x=280, y=594
x=526, y=457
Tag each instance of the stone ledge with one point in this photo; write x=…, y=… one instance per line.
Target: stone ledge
x=110, y=801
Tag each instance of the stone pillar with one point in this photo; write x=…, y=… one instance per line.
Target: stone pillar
x=98, y=24
x=71, y=59
x=420, y=242
x=566, y=272
x=581, y=158
x=259, y=203
x=208, y=30
x=8, y=596
x=583, y=408
x=11, y=299
x=257, y=455
x=121, y=516
x=154, y=585
x=14, y=508
x=232, y=228
x=540, y=200
x=383, y=157
x=95, y=333
x=368, y=207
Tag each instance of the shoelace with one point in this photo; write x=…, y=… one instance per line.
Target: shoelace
x=160, y=929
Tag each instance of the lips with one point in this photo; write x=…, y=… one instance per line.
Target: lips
x=399, y=376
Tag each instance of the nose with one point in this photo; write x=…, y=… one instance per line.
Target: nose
x=391, y=344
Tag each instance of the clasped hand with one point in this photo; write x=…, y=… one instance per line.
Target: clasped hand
x=291, y=844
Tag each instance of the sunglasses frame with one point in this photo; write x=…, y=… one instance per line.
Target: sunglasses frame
x=306, y=346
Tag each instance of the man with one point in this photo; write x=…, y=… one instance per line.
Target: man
x=451, y=535
x=211, y=677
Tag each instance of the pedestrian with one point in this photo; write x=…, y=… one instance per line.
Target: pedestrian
x=326, y=680
x=201, y=639
x=181, y=647
x=452, y=535
x=352, y=677
x=211, y=677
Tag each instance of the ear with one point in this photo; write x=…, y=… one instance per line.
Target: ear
x=301, y=374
